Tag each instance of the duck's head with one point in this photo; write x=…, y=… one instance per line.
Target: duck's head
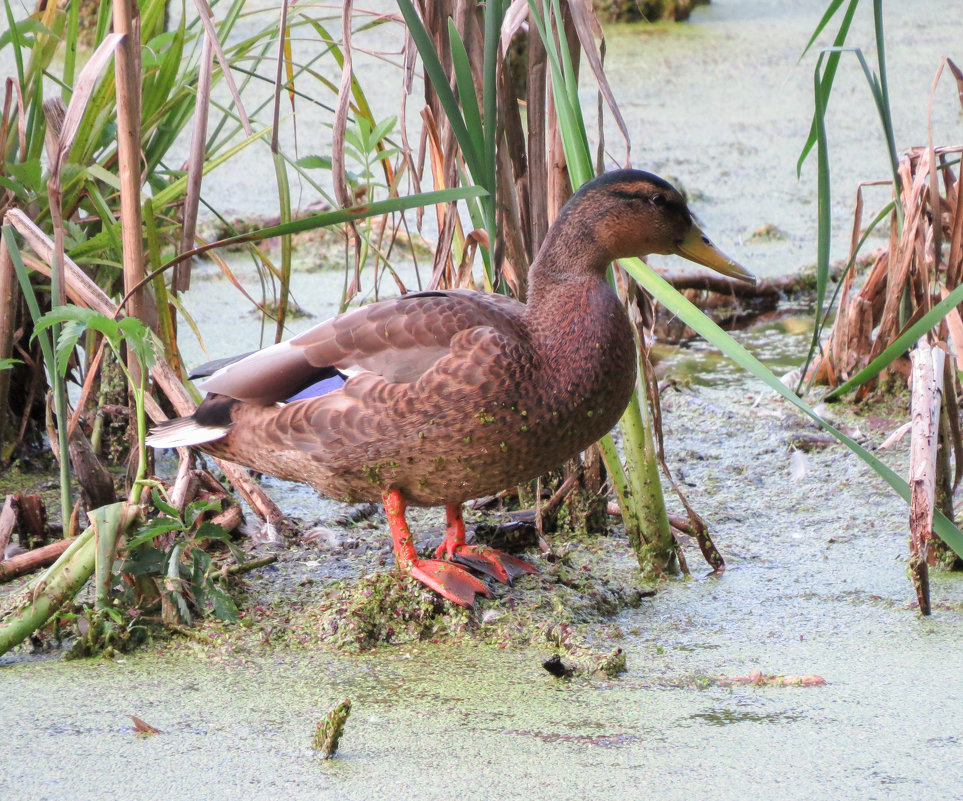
x=635, y=213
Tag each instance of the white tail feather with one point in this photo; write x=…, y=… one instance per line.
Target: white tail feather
x=183, y=433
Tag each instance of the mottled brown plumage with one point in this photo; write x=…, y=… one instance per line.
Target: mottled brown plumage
x=458, y=394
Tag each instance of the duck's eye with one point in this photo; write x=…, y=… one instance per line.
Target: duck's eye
x=658, y=199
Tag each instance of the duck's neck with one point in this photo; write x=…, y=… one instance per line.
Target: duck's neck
x=571, y=255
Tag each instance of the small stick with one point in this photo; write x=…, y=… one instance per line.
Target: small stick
x=254, y=564
x=559, y=495
x=330, y=729
x=189, y=634
x=32, y=560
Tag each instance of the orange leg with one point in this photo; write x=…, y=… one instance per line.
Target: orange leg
x=485, y=560
x=448, y=580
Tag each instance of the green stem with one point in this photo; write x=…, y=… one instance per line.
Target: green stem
x=139, y=394
x=107, y=522
x=654, y=545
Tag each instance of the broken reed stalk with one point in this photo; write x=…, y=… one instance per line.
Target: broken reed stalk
x=927, y=397
x=40, y=600
x=55, y=112
x=127, y=74
x=181, y=277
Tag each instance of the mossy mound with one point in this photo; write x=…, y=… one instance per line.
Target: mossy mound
x=390, y=608
x=566, y=609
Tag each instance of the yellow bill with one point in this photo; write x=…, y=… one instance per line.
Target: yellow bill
x=698, y=247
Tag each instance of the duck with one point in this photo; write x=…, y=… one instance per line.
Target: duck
x=438, y=397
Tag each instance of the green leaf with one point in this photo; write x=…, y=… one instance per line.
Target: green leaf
x=72, y=331
x=466, y=92
x=141, y=340
x=830, y=11
x=197, y=508
x=387, y=153
x=28, y=173
x=355, y=140
x=145, y=561
x=382, y=128
x=7, y=364
x=161, y=41
x=212, y=531
x=826, y=84
x=18, y=189
x=81, y=314
x=314, y=162
x=154, y=528
x=21, y=29
x=161, y=505
x=224, y=606
x=200, y=564
x=29, y=296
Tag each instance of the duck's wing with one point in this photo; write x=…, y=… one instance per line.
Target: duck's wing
x=398, y=340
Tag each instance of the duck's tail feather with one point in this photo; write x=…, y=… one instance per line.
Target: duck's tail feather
x=183, y=432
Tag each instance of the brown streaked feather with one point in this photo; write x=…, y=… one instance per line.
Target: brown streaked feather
x=398, y=339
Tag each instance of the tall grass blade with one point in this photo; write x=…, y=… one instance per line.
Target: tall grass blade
x=466, y=93
x=822, y=87
x=882, y=94
x=574, y=140
x=821, y=92
x=831, y=9
x=701, y=324
x=13, y=35
x=30, y=297
x=70, y=50
x=341, y=216
x=494, y=12
x=831, y=65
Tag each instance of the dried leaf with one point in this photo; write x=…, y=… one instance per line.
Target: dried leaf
x=143, y=728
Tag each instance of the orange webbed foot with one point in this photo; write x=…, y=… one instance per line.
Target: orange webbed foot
x=448, y=580
x=491, y=562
